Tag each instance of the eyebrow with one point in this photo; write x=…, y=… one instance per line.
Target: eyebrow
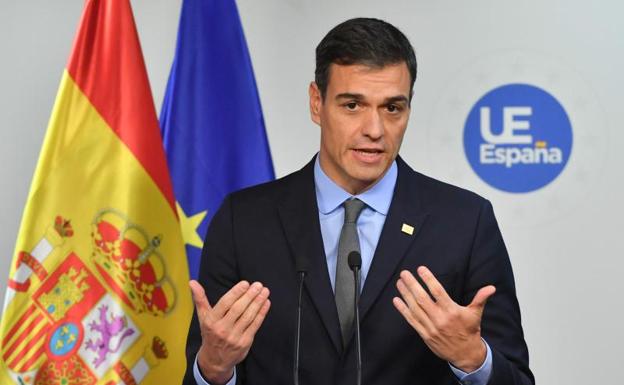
x=347, y=95
x=390, y=100
x=397, y=99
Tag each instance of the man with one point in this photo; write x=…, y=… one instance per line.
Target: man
x=438, y=301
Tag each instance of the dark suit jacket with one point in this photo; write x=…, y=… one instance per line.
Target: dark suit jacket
x=258, y=231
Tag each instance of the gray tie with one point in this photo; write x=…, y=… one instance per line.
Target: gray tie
x=345, y=289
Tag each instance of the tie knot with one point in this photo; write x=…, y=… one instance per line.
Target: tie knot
x=353, y=208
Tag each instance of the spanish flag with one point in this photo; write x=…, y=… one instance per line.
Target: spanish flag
x=98, y=285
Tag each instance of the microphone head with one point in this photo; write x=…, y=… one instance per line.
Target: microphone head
x=355, y=260
x=301, y=265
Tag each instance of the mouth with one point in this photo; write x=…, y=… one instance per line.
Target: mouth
x=368, y=155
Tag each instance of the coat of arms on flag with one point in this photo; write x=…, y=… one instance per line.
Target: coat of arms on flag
x=75, y=327
x=98, y=287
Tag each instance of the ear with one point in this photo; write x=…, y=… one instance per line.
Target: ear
x=316, y=103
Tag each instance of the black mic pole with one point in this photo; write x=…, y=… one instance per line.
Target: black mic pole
x=355, y=263
x=301, y=273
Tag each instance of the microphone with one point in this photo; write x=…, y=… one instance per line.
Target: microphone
x=302, y=269
x=355, y=263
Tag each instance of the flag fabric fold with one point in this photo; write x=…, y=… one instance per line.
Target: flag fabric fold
x=98, y=288
x=211, y=119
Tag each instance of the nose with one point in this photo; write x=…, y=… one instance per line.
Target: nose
x=373, y=127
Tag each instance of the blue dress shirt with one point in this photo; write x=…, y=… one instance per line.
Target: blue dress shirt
x=329, y=198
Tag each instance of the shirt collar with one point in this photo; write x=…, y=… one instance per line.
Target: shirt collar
x=330, y=196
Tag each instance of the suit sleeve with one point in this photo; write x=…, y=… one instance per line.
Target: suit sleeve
x=500, y=326
x=218, y=272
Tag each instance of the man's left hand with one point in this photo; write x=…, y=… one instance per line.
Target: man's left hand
x=451, y=331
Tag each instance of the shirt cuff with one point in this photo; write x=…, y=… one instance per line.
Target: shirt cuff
x=200, y=380
x=480, y=376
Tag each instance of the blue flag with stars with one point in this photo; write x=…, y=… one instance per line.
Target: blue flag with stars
x=211, y=119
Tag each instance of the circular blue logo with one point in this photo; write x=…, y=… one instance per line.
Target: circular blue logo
x=64, y=339
x=517, y=138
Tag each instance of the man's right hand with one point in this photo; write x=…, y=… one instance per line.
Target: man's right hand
x=228, y=328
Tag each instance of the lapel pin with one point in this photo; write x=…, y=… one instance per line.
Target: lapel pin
x=407, y=229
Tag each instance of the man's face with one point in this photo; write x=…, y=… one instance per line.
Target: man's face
x=363, y=118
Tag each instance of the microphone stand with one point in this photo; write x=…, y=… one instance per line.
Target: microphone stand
x=355, y=263
x=301, y=272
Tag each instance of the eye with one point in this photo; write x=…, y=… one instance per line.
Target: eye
x=393, y=108
x=351, y=106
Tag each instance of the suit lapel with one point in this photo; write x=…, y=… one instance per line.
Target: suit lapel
x=395, y=239
x=298, y=212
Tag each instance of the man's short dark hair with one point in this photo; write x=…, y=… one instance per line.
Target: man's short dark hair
x=367, y=41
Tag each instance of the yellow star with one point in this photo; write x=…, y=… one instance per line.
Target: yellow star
x=189, y=226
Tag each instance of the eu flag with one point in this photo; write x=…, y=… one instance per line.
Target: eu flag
x=211, y=119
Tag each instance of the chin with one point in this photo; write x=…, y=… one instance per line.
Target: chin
x=367, y=177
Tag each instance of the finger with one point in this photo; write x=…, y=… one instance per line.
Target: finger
x=417, y=312
x=250, y=313
x=405, y=311
x=250, y=332
x=420, y=294
x=239, y=307
x=199, y=298
x=230, y=298
x=481, y=298
x=435, y=287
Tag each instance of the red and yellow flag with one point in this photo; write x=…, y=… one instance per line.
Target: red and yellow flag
x=98, y=286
